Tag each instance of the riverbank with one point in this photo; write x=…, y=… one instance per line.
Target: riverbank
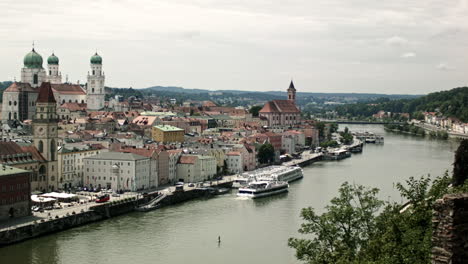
x=36, y=226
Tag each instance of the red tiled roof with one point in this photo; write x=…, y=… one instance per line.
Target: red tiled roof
x=139, y=151
x=280, y=106
x=19, y=86
x=67, y=88
x=188, y=159
x=46, y=95
x=35, y=153
x=9, y=148
x=74, y=106
x=234, y=153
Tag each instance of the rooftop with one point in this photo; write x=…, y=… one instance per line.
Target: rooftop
x=116, y=156
x=8, y=170
x=168, y=128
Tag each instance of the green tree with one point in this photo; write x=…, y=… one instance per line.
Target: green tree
x=266, y=153
x=255, y=109
x=460, y=165
x=342, y=231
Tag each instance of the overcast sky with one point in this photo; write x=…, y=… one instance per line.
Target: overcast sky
x=397, y=46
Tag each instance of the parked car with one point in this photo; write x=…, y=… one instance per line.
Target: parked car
x=191, y=185
x=103, y=198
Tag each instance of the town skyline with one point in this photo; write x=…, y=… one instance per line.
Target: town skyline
x=253, y=47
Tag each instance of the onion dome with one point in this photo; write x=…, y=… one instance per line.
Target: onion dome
x=96, y=59
x=53, y=59
x=32, y=60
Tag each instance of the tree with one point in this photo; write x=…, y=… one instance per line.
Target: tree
x=342, y=231
x=255, y=109
x=460, y=165
x=266, y=153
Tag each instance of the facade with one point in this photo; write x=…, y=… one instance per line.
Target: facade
x=234, y=162
x=167, y=134
x=15, y=192
x=282, y=112
x=173, y=158
x=45, y=135
x=196, y=168
x=117, y=171
x=95, y=87
x=71, y=164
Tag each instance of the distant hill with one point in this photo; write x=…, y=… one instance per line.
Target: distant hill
x=451, y=103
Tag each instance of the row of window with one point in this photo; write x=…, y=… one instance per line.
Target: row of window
x=15, y=187
x=18, y=198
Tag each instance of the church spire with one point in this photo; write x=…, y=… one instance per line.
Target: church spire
x=292, y=92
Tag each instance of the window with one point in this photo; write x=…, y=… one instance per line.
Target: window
x=40, y=146
x=35, y=79
x=9, y=116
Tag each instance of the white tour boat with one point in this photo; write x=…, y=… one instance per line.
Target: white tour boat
x=257, y=189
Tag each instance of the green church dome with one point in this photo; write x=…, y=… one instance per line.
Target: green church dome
x=96, y=59
x=32, y=60
x=53, y=59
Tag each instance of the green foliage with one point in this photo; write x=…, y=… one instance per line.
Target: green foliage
x=440, y=134
x=349, y=232
x=407, y=128
x=330, y=143
x=255, y=109
x=266, y=153
x=347, y=137
x=342, y=231
x=460, y=165
x=452, y=103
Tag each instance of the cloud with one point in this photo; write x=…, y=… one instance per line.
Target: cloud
x=408, y=55
x=396, y=41
x=445, y=67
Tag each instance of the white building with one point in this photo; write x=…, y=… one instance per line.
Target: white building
x=95, y=87
x=234, y=162
x=196, y=168
x=71, y=164
x=117, y=171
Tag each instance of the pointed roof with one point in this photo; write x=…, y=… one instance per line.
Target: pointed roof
x=291, y=86
x=280, y=106
x=46, y=95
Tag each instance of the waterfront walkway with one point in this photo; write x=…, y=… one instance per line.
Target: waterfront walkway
x=429, y=127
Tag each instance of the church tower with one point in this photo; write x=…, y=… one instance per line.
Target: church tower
x=32, y=72
x=95, y=94
x=45, y=134
x=292, y=92
x=54, y=76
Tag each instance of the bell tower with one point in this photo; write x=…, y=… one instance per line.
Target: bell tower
x=54, y=75
x=45, y=124
x=292, y=92
x=95, y=94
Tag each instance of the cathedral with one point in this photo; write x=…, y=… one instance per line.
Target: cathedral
x=19, y=99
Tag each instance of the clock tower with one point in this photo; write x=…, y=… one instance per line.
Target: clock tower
x=45, y=124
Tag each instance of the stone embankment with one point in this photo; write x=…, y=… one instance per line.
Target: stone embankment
x=95, y=213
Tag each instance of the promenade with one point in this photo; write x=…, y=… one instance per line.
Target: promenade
x=430, y=127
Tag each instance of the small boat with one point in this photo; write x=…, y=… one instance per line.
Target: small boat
x=220, y=191
x=259, y=189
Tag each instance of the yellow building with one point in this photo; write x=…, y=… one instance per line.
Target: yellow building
x=165, y=134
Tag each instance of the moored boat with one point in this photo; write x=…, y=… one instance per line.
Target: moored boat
x=259, y=189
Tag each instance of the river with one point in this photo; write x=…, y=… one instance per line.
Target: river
x=251, y=231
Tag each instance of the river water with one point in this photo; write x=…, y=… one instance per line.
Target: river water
x=251, y=231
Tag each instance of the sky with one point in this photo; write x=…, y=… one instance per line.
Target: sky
x=362, y=46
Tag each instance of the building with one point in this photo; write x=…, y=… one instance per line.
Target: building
x=196, y=168
x=15, y=192
x=20, y=97
x=167, y=134
x=117, y=171
x=95, y=86
x=71, y=163
x=45, y=135
x=173, y=158
x=282, y=112
x=234, y=162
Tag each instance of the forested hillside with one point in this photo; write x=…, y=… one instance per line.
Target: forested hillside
x=452, y=103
